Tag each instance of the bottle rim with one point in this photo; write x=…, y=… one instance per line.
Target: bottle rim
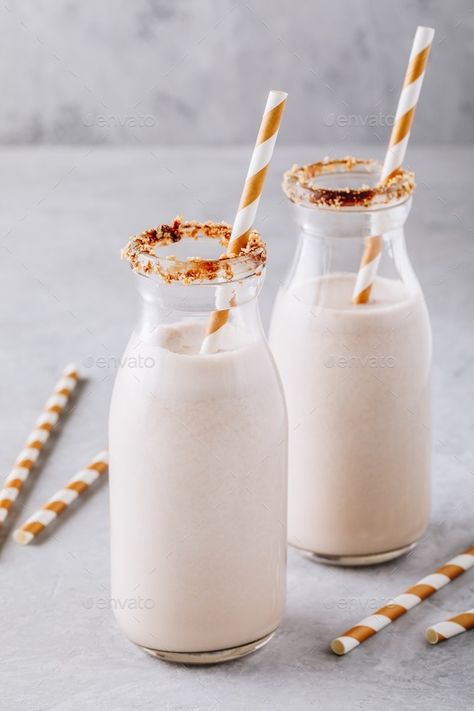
x=317, y=185
x=143, y=254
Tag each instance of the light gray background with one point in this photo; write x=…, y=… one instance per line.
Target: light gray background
x=197, y=71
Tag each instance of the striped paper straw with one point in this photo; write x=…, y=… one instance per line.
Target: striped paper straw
x=248, y=205
x=50, y=415
x=450, y=628
x=396, y=151
x=404, y=602
x=62, y=499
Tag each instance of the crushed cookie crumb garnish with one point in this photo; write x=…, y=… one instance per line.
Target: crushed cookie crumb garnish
x=304, y=184
x=142, y=251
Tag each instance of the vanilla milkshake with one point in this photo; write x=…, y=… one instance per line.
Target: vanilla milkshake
x=357, y=383
x=356, y=376
x=198, y=461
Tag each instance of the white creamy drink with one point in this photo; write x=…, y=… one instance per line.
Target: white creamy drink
x=357, y=382
x=197, y=528
x=198, y=463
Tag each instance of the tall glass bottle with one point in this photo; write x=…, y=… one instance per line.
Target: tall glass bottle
x=198, y=456
x=356, y=376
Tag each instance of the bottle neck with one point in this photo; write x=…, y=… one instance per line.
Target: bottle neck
x=351, y=223
x=186, y=307
x=333, y=242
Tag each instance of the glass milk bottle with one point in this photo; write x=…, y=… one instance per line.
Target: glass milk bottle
x=356, y=376
x=198, y=455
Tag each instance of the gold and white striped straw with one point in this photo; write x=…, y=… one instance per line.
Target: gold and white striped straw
x=396, y=152
x=25, y=462
x=402, y=603
x=450, y=628
x=62, y=499
x=248, y=205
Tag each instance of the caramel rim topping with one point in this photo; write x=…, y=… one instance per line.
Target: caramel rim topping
x=300, y=186
x=141, y=252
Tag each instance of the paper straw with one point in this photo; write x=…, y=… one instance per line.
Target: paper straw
x=396, y=151
x=49, y=417
x=402, y=603
x=450, y=628
x=248, y=205
x=62, y=499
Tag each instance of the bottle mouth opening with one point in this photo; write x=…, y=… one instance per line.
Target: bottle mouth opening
x=346, y=184
x=149, y=253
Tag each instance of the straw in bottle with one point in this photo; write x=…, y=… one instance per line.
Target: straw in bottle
x=247, y=209
x=402, y=603
x=396, y=151
x=450, y=628
x=25, y=462
x=62, y=499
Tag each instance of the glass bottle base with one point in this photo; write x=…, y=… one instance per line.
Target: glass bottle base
x=215, y=657
x=356, y=560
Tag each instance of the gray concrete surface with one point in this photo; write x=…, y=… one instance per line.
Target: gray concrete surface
x=65, y=295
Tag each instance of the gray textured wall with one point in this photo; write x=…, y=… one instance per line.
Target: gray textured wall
x=197, y=71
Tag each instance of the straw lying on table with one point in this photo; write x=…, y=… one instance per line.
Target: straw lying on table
x=396, y=151
x=404, y=602
x=248, y=205
x=450, y=628
x=49, y=417
x=62, y=499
